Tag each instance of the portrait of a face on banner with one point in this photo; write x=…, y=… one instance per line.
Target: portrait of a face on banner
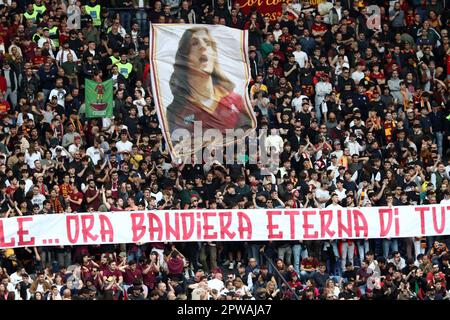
x=200, y=76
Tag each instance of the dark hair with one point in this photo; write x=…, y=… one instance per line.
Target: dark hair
x=178, y=80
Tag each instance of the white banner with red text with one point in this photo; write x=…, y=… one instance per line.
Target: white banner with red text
x=224, y=225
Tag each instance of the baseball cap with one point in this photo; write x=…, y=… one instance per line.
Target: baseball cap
x=194, y=196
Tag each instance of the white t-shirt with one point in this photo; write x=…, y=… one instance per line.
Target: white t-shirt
x=31, y=158
x=334, y=206
x=322, y=194
x=60, y=94
x=61, y=56
x=297, y=103
x=28, y=184
x=274, y=141
x=301, y=58
x=357, y=76
x=277, y=34
x=39, y=200
x=73, y=148
x=94, y=154
x=341, y=194
x=124, y=146
x=216, y=284
x=15, y=278
x=43, y=40
x=20, y=118
x=140, y=103
x=158, y=196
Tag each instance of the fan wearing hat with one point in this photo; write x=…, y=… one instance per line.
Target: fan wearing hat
x=194, y=201
x=188, y=195
x=45, y=38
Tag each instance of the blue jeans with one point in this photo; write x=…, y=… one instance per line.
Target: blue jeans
x=348, y=251
x=391, y=245
x=318, y=110
x=285, y=253
x=125, y=19
x=363, y=247
x=299, y=252
x=363, y=288
x=439, y=138
x=305, y=275
x=254, y=253
x=134, y=255
x=332, y=258
x=46, y=93
x=141, y=17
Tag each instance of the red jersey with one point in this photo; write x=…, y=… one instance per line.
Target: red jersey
x=278, y=71
x=448, y=63
x=377, y=76
x=307, y=264
x=129, y=276
x=4, y=108
x=38, y=60
x=10, y=190
x=318, y=27
x=109, y=273
x=96, y=202
x=150, y=278
x=99, y=88
x=280, y=54
x=75, y=196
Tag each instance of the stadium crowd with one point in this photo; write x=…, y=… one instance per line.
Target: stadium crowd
x=358, y=114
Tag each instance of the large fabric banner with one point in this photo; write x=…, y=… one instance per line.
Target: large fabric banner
x=273, y=8
x=224, y=225
x=99, y=98
x=200, y=76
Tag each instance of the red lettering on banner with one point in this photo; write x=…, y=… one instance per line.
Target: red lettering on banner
x=360, y=224
x=199, y=226
x=397, y=222
x=86, y=228
x=251, y=3
x=207, y=227
x=242, y=217
x=22, y=232
x=3, y=242
x=422, y=217
x=187, y=234
x=137, y=226
x=384, y=230
x=152, y=219
x=271, y=227
x=224, y=226
x=440, y=229
x=73, y=239
x=325, y=224
x=172, y=231
x=106, y=229
x=342, y=227
x=306, y=226
x=292, y=215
